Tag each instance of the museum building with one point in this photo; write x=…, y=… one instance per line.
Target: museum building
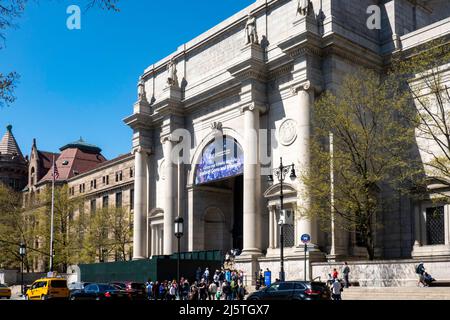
x=260, y=71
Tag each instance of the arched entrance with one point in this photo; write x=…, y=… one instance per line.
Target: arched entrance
x=216, y=208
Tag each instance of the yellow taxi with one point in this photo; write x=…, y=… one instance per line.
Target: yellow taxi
x=48, y=288
x=5, y=291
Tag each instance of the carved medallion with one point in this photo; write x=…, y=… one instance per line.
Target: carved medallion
x=162, y=170
x=288, y=132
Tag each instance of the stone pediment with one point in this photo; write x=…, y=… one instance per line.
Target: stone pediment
x=274, y=191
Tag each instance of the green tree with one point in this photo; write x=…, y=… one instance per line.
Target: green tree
x=66, y=245
x=12, y=230
x=426, y=79
x=368, y=118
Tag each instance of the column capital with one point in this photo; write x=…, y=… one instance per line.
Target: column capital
x=252, y=106
x=141, y=149
x=304, y=86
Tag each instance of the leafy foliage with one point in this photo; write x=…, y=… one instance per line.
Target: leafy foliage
x=369, y=120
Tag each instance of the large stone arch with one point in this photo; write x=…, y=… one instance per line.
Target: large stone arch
x=199, y=150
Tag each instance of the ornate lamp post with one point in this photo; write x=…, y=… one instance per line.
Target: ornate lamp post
x=281, y=173
x=22, y=253
x=178, y=233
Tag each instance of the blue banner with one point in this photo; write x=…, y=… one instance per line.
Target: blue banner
x=223, y=158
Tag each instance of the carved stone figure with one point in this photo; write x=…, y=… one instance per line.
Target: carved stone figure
x=303, y=7
x=172, y=79
x=141, y=90
x=250, y=30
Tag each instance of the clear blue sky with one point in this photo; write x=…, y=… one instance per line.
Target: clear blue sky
x=83, y=82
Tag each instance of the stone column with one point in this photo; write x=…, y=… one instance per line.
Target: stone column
x=252, y=181
x=272, y=225
x=305, y=99
x=140, y=204
x=170, y=188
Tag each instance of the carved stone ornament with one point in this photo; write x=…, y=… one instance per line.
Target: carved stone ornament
x=303, y=7
x=251, y=34
x=288, y=132
x=172, y=78
x=162, y=170
x=141, y=90
x=217, y=126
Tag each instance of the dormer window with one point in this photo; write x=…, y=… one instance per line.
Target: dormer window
x=65, y=163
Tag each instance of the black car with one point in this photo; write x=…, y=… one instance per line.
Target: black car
x=293, y=290
x=98, y=291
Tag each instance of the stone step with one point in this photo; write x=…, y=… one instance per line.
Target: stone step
x=396, y=293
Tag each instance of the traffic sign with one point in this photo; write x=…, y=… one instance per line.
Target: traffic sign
x=306, y=238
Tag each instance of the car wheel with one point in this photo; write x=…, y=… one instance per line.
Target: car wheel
x=253, y=299
x=27, y=297
x=72, y=298
x=43, y=297
x=98, y=298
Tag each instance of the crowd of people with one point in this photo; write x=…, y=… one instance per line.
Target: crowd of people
x=224, y=284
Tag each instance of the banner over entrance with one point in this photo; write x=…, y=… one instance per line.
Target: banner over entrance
x=223, y=158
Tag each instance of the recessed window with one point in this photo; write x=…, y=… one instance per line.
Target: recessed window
x=65, y=163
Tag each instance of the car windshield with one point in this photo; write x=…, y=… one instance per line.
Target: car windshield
x=106, y=287
x=59, y=284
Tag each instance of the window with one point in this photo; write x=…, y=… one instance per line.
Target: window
x=131, y=172
x=105, y=202
x=104, y=180
x=131, y=199
x=119, y=200
x=93, y=206
x=435, y=225
x=107, y=180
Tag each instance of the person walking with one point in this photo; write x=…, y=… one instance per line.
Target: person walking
x=198, y=274
x=241, y=292
x=149, y=290
x=202, y=289
x=336, y=290
x=346, y=272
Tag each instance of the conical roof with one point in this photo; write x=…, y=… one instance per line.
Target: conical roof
x=8, y=144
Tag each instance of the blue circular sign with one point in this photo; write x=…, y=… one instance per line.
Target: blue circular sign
x=306, y=238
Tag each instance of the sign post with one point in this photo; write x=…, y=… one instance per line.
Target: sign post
x=306, y=238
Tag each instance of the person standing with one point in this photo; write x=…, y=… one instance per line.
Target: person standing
x=212, y=290
x=336, y=290
x=345, y=272
x=335, y=274
x=198, y=274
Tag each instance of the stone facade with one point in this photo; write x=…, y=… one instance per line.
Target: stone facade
x=230, y=86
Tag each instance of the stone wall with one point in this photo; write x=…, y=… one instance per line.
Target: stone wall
x=387, y=273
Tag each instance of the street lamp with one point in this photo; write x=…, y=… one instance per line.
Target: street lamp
x=281, y=173
x=178, y=233
x=22, y=252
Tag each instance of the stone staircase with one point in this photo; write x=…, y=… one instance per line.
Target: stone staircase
x=396, y=293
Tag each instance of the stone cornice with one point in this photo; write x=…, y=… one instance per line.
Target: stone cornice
x=139, y=121
x=349, y=51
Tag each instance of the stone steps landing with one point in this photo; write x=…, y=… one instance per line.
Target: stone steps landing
x=397, y=293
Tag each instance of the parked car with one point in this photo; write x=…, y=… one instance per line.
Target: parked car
x=77, y=286
x=293, y=290
x=5, y=291
x=135, y=290
x=48, y=288
x=99, y=291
